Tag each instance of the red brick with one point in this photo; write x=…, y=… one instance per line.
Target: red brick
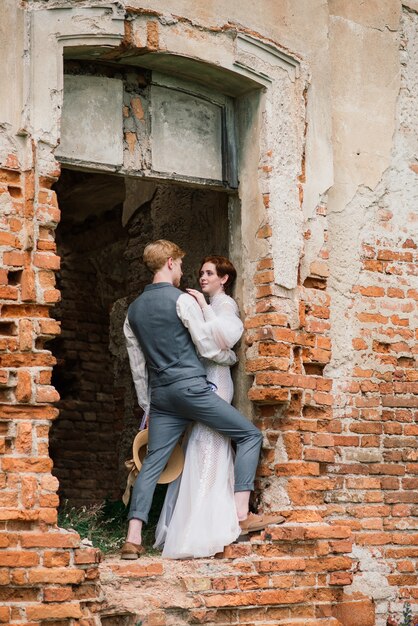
x=23, y=391
x=264, y=232
x=32, y=464
x=15, y=259
x=281, y=565
x=267, y=363
x=319, y=268
x=87, y=555
x=53, y=539
x=320, y=455
x=264, y=277
x=265, y=264
x=46, y=393
x=328, y=532
x=54, y=611
x=268, y=395
x=296, y=468
x=58, y=594
x=374, y=292
x=274, y=349
x=62, y=575
x=26, y=335
x=28, y=286
x=18, y=558
x=46, y=261
x=29, y=489
x=56, y=558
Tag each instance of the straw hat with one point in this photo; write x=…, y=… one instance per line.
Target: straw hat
x=175, y=463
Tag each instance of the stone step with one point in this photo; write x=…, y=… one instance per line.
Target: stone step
x=287, y=576
x=163, y=592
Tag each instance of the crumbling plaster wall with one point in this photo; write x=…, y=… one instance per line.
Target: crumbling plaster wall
x=373, y=223
x=366, y=79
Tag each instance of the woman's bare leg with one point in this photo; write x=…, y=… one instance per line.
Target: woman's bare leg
x=242, y=499
x=135, y=531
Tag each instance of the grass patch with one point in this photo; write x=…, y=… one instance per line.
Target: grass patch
x=106, y=524
x=103, y=524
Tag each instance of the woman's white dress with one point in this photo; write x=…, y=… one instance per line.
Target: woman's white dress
x=199, y=517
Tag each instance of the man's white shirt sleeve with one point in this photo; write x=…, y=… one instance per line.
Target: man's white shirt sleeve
x=138, y=368
x=225, y=325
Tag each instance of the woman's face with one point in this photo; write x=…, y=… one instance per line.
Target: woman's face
x=210, y=282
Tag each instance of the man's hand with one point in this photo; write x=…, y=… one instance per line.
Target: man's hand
x=198, y=296
x=144, y=421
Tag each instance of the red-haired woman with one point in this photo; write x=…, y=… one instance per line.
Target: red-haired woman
x=199, y=516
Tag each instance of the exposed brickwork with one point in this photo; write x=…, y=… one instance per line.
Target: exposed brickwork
x=85, y=440
x=375, y=489
x=344, y=448
x=44, y=574
x=288, y=356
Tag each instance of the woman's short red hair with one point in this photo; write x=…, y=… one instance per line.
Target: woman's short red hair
x=223, y=267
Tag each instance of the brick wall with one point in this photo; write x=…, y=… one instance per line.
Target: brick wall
x=288, y=357
x=85, y=438
x=44, y=574
x=375, y=469
x=293, y=575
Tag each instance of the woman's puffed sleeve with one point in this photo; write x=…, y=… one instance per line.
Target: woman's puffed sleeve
x=225, y=323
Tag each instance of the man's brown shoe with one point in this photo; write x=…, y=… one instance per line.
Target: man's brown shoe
x=131, y=551
x=259, y=522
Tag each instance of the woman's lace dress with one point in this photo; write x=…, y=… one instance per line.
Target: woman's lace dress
x=199, y=516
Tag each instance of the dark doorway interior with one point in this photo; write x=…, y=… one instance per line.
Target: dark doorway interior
x=101, y=273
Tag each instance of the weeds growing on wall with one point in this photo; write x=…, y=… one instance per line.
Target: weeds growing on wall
x=407, y=618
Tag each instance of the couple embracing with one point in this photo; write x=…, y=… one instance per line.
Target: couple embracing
x=180, y=352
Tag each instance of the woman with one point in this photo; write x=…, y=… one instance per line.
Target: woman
x=199, y=516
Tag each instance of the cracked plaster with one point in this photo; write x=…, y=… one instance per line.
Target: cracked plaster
x=361, y=178
x=50, y=30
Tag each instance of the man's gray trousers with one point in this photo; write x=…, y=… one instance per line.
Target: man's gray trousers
x=173, y=408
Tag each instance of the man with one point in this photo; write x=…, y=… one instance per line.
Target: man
x=164, y=328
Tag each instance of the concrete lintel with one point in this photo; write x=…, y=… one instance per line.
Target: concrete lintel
x=268, y=54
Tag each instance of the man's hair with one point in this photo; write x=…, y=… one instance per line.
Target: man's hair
x=223, y=267
x=157, y=253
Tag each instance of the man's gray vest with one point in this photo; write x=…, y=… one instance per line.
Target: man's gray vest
x=167, y=345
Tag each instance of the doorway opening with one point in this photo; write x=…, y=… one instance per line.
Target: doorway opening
x=101, y=247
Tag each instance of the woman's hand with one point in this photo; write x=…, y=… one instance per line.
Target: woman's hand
x=199, y=297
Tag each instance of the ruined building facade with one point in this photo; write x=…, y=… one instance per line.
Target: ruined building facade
x=285, y=135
